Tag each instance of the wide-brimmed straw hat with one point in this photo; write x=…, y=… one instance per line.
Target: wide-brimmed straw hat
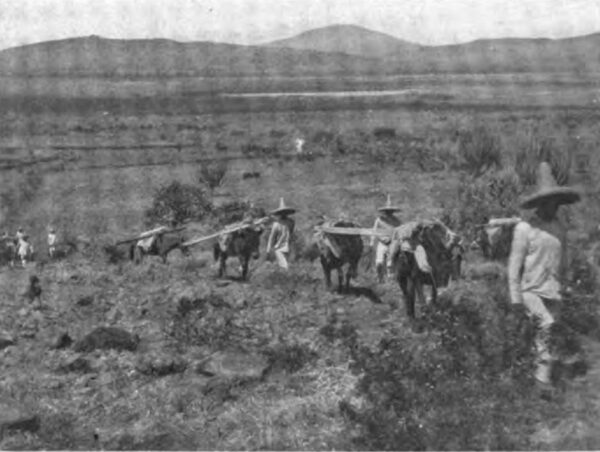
x=388, y=206
x=283, y=209
x=547, y=188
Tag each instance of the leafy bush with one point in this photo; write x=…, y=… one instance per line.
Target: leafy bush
x=180, y=201
x=464, y=384
x=479, y=150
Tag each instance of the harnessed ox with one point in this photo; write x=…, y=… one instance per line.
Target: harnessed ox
x=337, y=251
x=424, y=253
x=243, y=243
x=158, y=245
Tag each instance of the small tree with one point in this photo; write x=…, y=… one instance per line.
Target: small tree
x=213, y=174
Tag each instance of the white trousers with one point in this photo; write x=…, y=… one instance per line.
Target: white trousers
x=281, y=257
x=536, y=308
x=381, y=251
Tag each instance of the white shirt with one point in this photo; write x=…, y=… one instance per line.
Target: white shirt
x=535, y=260
x=51, y=239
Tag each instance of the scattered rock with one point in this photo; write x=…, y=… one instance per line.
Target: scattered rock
x=13, y=417
x=85, y=300
x=160, y=363
x=6, y=340
x=234, y=365
x=63, y=341
x=77, y=364
x=104, y=338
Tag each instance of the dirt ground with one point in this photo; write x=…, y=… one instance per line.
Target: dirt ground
x=100, y=175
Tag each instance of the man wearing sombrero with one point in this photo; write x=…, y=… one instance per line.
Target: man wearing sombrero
x=537, y=259
x=281, y=234
x=386, y=221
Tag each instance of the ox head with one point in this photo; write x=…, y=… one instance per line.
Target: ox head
x=443, y=246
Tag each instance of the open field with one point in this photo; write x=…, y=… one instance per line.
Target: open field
x=92, y=168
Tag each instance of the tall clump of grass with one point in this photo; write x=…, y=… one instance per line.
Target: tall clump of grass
x=543, y=149
x=480, y=150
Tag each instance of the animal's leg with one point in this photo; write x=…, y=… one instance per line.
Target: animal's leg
x=326, y=273
x=244, y=262
x=409, y=298
x=340, y=273
x=222, y=267
x=433, y=291
x=419, y=290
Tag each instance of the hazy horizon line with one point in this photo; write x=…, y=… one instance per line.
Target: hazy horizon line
x=264, y=43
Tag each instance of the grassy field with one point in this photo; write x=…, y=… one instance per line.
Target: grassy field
x=93, y=171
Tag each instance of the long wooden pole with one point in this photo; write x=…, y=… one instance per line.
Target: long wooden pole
x=229, y=230
x=143, y=235
x=354, y=231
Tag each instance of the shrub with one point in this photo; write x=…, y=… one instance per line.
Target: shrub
x=212, y=174
x=181, y=201
x=479, y=150
x=464, y=384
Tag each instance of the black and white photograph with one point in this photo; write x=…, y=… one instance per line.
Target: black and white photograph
x=299, y=225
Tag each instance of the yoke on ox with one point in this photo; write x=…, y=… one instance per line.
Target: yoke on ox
x=423, y=253
x=337, y=251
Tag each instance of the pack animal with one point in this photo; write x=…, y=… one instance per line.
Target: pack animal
x=244, y=243
x=337, y=251
x=444, y=254
x=161, y=246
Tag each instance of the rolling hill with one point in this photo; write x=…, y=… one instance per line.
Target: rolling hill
x=350, y=39
x=329, y=51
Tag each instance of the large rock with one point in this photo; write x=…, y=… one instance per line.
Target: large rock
x=234, y=365
x=159, y=363
x=104, y=338
x=13, y=418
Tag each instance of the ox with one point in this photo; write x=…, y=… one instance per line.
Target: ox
x=336, y=251
x=495, y=238
x=159, y=245
x=424, y=253
x=243, y=243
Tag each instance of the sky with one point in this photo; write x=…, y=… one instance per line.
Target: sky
x=429, y=22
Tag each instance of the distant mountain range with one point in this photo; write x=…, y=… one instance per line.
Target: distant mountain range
x=333, y=50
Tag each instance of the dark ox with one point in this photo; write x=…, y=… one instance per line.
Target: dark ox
x=444, y=254
x=349, y=249
x=162, y=246
x=244, y=244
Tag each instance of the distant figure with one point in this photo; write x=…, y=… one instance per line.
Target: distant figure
x=386, y=221
x=537, y=262
x=24, y=249
x=281, y=234
x=52, y=243
x=20, y=234
x=299, y=142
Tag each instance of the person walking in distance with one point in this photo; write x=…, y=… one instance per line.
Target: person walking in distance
x=537, y=261
x=281, y=234
x=386, y=221
x=24, y=250
x=52, y=243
